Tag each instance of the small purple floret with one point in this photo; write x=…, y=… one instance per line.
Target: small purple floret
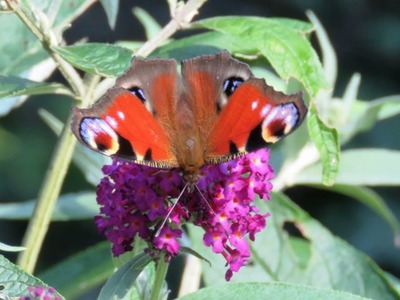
x=41, y=293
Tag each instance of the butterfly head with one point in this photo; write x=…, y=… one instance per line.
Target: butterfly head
x=191, y=176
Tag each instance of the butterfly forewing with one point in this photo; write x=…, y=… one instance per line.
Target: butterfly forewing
x=131, y=120
x=256, y=115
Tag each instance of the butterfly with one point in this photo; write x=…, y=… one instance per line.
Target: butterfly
x=214, y=111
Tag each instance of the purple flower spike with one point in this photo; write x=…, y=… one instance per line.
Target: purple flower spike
x=136, y=199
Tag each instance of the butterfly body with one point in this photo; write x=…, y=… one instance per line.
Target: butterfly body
x=214, y=111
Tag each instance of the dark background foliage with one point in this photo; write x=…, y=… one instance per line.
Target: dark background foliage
x=366, y=37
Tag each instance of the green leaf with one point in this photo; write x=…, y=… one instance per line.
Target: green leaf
x=326, y=262
x=369, y=198
x=88, y=161
x=121, y=282
x=271, y=290
x=68, y=12
x=74, y=206
x=327, y=142
x=236, y=22
x=145, y=282
x=16, y=281
x=96, y=58
x=150, y=25
x=8, y=248
x=194, y=253
x=201, y=44
x=367, y=166
x=23, y=51
x=111, y=9
x=81, y=272
x=365, y=114
x=11, y=86
x=212, y=42
x=22, y=54
x=329, y=58
x=287, y=49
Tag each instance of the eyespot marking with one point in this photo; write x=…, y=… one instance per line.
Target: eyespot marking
x=231, y=84
x=280, y=121
x=99, y=135
x=138, y=92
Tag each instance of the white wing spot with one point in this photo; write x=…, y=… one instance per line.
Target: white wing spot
x=254, y=104
x=121, y=115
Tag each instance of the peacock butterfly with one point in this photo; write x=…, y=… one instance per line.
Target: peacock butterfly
x=215, y=111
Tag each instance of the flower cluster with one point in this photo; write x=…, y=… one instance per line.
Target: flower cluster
x=41, y=293
x=136, y=199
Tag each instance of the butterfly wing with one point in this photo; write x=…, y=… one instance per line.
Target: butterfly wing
x=234, y=111
x=129, y=120
x=255, y=116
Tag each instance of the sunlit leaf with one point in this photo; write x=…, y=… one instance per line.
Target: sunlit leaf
x=22, y=50
x=11, y=86
x=327, y=142
x=366, y=166
x=95, y=58
x=271, y=290
x=364, y=115
x=16, y=281
x=121, y=282
x=288, y=50
x=319, y=259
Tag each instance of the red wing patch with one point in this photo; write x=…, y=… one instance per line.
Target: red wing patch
x=125, y=129
x=254, y=117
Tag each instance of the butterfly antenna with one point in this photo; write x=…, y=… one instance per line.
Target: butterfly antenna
x=170, y=211
x=205, y=200
x=213, y=211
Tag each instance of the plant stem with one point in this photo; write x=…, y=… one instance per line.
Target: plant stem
x=161, y=272
x=46, y=38
x=181, y=18
x=51, y=186
x=38, y=226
